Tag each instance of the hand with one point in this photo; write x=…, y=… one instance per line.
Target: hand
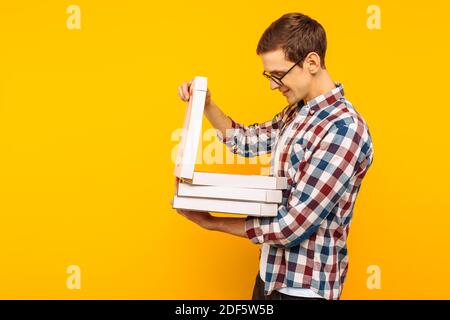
x=203, y=219
x=184, y=92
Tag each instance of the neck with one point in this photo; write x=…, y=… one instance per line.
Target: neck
x=321, y=84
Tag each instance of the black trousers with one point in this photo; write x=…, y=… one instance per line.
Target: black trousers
x=258, y=293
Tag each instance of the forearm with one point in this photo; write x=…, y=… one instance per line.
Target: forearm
x=217, y=118
x=234, y=226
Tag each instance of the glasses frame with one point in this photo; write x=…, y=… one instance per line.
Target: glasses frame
x=278, y=80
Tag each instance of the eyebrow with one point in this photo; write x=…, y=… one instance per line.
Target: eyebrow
x=277, y=71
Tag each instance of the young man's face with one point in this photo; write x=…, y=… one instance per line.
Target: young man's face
x=296, y=84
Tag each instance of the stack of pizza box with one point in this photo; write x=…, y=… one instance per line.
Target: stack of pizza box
x=218, y=192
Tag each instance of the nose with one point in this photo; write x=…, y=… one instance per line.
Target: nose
x=273, y=85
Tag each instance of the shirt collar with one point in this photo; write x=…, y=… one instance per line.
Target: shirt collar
x=324, y=100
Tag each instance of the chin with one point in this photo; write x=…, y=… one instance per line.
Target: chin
x=292, y=100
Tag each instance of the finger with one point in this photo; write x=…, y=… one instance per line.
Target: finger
x=186, y=90
x=180, y=94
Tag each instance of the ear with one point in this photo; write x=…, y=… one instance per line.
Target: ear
x=312, y=62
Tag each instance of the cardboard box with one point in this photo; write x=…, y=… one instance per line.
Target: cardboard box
x=238, y=181
x=219, y=192
x=192, y=130
x=226, y=206
x=221, y=195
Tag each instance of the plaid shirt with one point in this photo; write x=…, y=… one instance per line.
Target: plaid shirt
x=325, y=157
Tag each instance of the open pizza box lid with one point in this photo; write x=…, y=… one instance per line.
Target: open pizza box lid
x=192, y=130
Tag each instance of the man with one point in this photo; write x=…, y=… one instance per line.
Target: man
x=324, y=148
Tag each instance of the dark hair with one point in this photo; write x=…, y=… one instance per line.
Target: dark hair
x=297, y=34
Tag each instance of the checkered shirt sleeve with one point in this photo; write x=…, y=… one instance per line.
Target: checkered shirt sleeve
x=318, y=185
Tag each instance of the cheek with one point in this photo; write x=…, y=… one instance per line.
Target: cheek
x=296, y=88
x=300, y=82
x=300, y=87
x=295, y=83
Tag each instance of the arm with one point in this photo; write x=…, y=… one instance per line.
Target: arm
x=318, y=185
x=247, y=141
x=217, y=118
x=233, y=226
x=252, y=140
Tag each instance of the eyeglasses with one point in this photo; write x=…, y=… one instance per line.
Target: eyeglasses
x=276, y=79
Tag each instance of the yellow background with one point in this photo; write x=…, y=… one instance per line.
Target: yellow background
x=86, y=118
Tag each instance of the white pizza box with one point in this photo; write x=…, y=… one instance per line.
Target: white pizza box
x=188, y=149
x=219, y=192
x=192, y=129
x=226, y=206
x=238, y=180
